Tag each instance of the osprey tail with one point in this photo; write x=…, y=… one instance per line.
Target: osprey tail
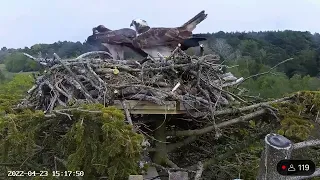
x=194, y=41
x=193, y=22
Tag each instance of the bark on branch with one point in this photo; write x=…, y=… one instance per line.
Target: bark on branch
x=198, y=132
x=306, y=144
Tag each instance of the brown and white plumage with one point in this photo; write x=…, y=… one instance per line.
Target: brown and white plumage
x=164, y=40
x=141, y=26
x=114, y=40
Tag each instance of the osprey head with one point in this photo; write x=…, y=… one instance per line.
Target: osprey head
x=138, y=23
x=95, y=31
x=100, y=29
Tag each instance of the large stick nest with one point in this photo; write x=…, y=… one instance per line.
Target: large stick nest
x=201, y=80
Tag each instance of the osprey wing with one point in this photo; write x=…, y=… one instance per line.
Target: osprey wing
x=126, y=32
x=161, y=37
x=116, y=37
x=194, y=41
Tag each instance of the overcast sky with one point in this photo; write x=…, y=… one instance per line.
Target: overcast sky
x=25, y=23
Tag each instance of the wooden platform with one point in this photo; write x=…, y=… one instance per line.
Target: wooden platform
x=146, y=107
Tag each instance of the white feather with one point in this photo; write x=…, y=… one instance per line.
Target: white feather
x=153, y=52
x=141, y=22
x=115, y=50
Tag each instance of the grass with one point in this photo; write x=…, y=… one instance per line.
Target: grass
x=9, y=75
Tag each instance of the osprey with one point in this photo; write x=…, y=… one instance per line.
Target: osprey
x=141, y=26
x=164, y=40
x=100, y=29
x=114, y=40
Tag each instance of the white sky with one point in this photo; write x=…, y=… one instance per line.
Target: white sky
x=25, y=23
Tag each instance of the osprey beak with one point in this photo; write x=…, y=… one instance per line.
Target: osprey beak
x=131, y=24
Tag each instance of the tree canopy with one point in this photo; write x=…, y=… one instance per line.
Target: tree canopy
x=265, y=47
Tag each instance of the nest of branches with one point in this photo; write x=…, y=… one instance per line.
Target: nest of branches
x=200, y=80
x=201, y=84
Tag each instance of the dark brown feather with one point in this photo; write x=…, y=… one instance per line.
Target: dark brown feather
x=161, y=37
x=117, y=37
x=168, y=37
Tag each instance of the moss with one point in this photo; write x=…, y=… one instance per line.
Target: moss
x=98, y=142
x=102, y=143
x=297, y=116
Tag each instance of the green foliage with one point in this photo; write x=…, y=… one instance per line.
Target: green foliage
x=267, y=48
x=18, y=85
x=18, y=134
x=13, y=91
x=293, y=123
x=271, y=47
x=2, y=77
x=248, y=165
x=274, y=84
x=99, y=142
x=249, y=48
x=297, y=118
x=245, y=141
x=102, y=143
x=17, y=62
x=12, y=142
x=65, y=49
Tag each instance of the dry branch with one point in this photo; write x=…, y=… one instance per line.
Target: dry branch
x=127, y=114
x=85, y=79
x=220, y=125
x=306, y=144
x=187, y=140
x=199, y=171
x=94, y=53
x=199, y=84
x=171, y=169
x=269, y=71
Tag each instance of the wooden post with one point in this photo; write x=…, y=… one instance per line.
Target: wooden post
x=160, y=135
x=276, y=148
x=135, y=177
x=151, y=173
x=179, y=175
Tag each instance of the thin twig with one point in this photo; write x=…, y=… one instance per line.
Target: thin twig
x=269, y=71
x=94, y=53
x=126, y=110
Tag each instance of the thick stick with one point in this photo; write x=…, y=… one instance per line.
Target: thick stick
x=220, y=125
